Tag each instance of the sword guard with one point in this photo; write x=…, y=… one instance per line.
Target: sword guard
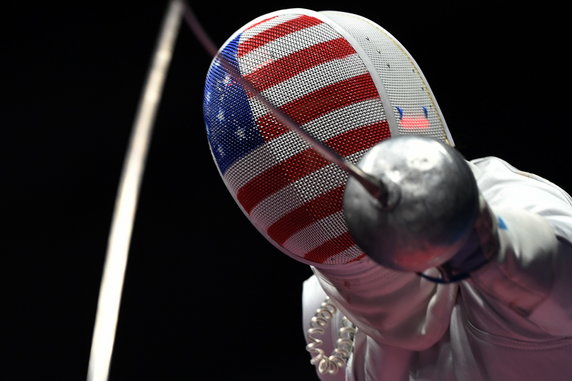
x=434, y=204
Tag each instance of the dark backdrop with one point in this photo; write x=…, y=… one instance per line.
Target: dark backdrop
x=204, y=292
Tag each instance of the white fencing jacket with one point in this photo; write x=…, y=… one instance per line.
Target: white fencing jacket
x=510, y=320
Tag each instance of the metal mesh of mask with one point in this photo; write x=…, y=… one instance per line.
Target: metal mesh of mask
x=341, y=78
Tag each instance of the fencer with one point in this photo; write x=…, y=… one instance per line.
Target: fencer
x=459, y=272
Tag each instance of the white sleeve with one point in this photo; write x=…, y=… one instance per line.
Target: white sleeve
x=369, y=357
x=393, y=308
x=532, y=273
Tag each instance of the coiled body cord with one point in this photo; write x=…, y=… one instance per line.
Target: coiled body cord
x=344, y=345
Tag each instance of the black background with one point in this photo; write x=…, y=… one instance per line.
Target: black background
x=204, y=293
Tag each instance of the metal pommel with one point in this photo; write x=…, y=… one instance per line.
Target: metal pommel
x=433, y=202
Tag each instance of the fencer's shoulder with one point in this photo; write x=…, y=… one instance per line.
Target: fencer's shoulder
x=495, y=175
x=487, y=161
x=504, y=186
x=493, y=168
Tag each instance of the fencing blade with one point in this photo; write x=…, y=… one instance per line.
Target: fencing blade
x=126, y=202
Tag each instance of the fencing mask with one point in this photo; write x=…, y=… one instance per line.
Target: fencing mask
x=339, y=76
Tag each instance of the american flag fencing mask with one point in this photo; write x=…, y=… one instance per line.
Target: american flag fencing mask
x=340, y=77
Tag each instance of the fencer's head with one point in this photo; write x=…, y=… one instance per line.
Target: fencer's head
x=342, y=78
